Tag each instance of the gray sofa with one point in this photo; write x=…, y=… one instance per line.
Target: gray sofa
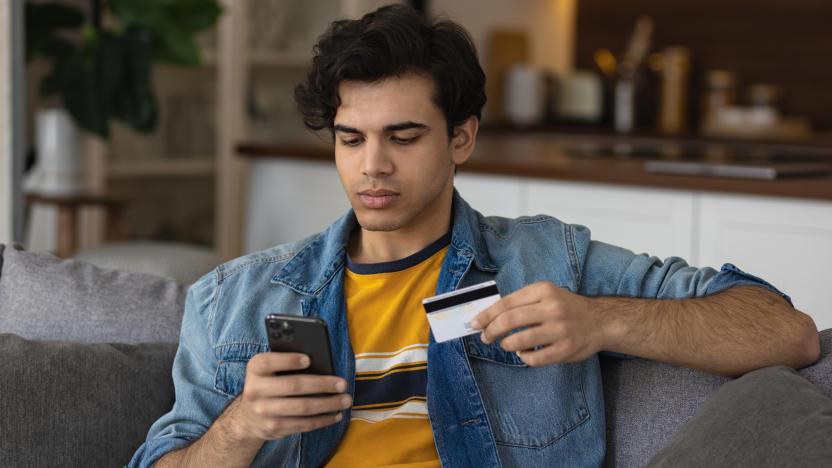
x=87, y=352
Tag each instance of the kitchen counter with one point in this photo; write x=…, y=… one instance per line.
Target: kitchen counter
x=590, y=159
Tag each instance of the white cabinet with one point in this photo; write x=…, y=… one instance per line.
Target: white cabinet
x=787, y=242
x=492, y=195
x=654, y=221
x=289, y=200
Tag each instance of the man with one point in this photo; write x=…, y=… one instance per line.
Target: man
x=402, y=99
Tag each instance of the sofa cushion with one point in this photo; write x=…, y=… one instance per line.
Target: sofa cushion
x=73, y=404
x=771, y=417
x=646, y=402
x=45, y=297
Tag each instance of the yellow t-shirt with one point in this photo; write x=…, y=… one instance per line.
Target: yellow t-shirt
x=389, y=332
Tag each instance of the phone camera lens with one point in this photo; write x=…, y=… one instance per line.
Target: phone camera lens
x=286, y=328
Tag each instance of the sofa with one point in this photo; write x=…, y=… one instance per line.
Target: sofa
x=87, y=353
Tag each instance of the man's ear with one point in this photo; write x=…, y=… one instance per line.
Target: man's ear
x=464, y=140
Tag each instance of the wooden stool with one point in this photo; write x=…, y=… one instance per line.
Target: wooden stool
x=68, y=209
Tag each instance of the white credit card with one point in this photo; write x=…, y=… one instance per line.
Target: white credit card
x=450, y=314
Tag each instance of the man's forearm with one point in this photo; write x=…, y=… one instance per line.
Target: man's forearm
x=217, y=447
x=728, y=333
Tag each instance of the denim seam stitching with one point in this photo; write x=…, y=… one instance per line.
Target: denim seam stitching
x=482, y=403
x=216, y=382
x=474, y=355
x=241, y=343
x=214, y=301
x=573, y=255
x=519, y=222
x=272, y=259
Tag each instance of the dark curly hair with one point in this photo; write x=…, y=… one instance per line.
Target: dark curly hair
x=393, y=41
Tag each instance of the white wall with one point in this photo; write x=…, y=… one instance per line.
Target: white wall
x=550, y=24
x=6, y=152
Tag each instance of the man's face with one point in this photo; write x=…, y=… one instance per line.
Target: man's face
x=393, y=153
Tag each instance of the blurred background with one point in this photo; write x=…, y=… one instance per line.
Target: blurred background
x=164, y=138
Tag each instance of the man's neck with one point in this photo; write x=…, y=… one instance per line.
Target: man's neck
x=378, y=246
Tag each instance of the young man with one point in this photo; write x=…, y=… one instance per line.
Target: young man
x=402, y=98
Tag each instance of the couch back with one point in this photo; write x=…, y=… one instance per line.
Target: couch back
x=45, y=298
x=89, y=399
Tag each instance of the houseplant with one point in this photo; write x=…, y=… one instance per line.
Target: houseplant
x=103, y=71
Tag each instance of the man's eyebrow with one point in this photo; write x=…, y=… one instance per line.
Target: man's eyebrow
x=405, y=126
x=345, y=129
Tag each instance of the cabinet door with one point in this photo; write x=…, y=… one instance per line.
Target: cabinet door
x=492, y=195
x=654, y=221
x=288, y=200
x=786, y=242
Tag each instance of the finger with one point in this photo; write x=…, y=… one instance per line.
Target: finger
x=308, y=406
x=524, y=296
x=271, y=386
x=297, y=424
x=269, y=363
x=518, y=317
x=541, y=335
x=545, y=356
x=308, y=384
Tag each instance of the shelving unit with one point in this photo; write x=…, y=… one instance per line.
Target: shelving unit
x=258, y=65
x=185, y=179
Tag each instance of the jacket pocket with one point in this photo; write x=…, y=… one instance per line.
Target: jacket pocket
x=231, y=368
x=527, y=406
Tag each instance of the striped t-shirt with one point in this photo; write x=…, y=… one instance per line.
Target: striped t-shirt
x=389, y=333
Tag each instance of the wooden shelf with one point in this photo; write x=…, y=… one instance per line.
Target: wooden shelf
x=181, y=167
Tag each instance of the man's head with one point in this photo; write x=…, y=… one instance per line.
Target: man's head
x=403, y=99
x=393, y=41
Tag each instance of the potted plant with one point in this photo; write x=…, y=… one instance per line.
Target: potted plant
x=103, y=72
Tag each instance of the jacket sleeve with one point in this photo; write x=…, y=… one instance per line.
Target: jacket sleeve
x=614, y=271
x=194, y=369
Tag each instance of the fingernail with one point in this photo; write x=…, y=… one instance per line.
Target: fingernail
x=475, y=324
x=341, y=386
x=304, y=361
x=345, y=402
x=483, y=338
x=338, y=416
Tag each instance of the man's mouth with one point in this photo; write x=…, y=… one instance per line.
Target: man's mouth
x=377, y=198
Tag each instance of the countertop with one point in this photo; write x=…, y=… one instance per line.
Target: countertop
x=585, y=158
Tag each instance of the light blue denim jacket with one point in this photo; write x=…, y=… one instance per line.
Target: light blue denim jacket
x=487, y=408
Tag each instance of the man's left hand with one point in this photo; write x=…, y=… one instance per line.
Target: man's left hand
x=562, y=326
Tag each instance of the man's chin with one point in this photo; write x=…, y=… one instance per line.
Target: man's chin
x=378, y=223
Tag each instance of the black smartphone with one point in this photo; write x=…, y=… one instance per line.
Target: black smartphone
x=307, y=335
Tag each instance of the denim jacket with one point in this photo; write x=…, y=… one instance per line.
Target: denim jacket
x=486, y=407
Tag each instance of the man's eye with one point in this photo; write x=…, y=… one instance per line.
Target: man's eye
x=350, y=141
x=403, y=141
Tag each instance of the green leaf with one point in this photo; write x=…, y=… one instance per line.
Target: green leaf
x=84, y=102
x=194, y=15
x=42, y=23
x=172, y=23
x=135, y=105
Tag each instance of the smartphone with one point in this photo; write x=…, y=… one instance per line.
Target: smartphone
x=307, y=335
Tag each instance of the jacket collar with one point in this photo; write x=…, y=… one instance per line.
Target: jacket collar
x=316, y=264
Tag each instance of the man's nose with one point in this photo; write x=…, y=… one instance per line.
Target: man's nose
x=376, y=161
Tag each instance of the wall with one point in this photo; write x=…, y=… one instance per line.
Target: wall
x=550, y=24
x=783, y=42
x=7, y=166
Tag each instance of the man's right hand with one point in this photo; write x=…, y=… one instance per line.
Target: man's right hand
x=274, y=406
x=270, y=407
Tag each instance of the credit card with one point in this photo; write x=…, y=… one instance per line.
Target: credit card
x=450, y=314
